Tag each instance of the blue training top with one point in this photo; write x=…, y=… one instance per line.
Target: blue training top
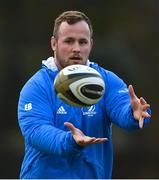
x=50, y=150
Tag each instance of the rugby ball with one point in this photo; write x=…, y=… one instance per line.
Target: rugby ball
x=79, y=85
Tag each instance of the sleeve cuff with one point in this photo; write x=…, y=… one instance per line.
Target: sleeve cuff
x=73, y=147
x=135, y=123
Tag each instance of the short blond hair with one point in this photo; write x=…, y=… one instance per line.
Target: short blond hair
x=71, y=17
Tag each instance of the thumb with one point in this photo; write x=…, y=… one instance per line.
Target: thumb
x=70, y=126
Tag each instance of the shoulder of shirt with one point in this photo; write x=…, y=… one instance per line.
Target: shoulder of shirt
x=99, y=68
x=48, y=66
x=39, y=79
x=106, y=74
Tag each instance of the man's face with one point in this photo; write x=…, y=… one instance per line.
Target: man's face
x=73, y=45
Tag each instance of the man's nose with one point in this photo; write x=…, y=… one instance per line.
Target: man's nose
x=76, y=47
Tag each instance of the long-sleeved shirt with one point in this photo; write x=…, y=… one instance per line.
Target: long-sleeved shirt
x=50, y=149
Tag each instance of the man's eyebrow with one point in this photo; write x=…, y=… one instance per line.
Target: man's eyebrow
x=85, y=39
x=72, y=38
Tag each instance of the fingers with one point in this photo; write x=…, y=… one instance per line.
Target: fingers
x=87, y=140
x=80, y=138
x=146, y=115
x=141, y=122
x=95, y=140
x=142, y=101
x=100, y=140
x=70, y=126
x=144, y=104
x=139, y=107
x=141, y=119
x=145, y=107
x=92, y=140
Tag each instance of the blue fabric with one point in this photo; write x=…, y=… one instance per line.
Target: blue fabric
x=50, y=150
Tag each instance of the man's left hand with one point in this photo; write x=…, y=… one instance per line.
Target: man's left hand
x=139, y=107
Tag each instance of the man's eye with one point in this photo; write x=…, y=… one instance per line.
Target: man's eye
x=68, y=41
x=83, y=42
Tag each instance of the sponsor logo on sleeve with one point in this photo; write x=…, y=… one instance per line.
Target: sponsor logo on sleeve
x=125, y=90
x=28, y=107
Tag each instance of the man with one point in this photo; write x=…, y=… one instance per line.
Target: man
x=62, y=141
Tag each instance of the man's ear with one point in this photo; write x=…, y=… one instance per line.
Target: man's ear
x=53, y=43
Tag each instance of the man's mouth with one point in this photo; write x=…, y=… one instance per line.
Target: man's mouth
x=76, y=58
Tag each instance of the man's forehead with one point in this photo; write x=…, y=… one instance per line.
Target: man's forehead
x=80, y=27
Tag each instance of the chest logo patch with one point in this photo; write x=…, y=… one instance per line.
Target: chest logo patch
x=89, y=111
x=61, y=110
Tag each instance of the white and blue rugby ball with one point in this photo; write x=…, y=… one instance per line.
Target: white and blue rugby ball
x=79, y=85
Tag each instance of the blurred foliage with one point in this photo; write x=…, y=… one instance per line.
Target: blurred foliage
x=125, y=41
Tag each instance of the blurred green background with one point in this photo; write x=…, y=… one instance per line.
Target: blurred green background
x=126, y=41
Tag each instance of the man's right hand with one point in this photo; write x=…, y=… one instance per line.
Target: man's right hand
x=80, y=138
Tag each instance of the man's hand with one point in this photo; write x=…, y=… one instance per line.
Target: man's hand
x=80, y=138
x=139, y=107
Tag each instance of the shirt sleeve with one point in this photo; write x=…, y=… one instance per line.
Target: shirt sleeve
x=36, y=120
x=118, y=105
